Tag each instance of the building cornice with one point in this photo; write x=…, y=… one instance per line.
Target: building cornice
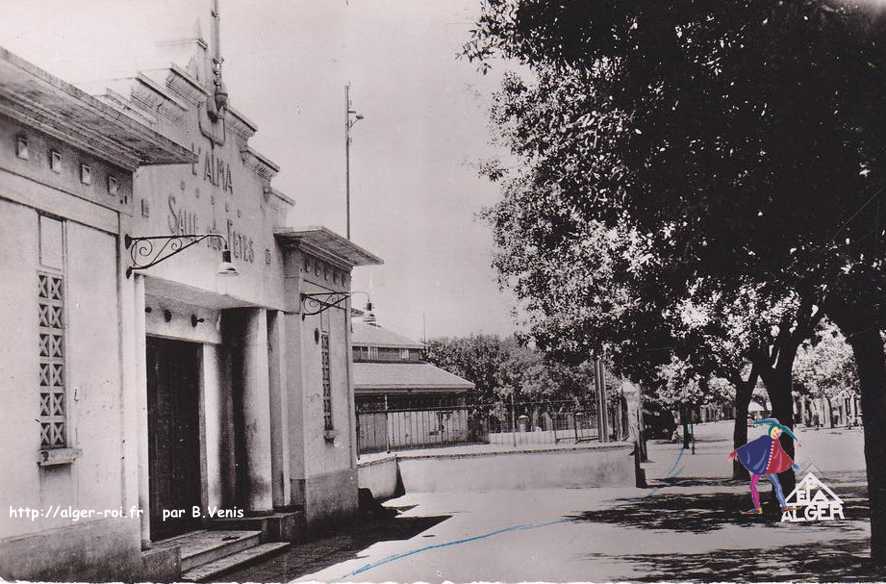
x=261, y=165
x=240, y=124
x=325, y=243
x=37, y=99
x=323, y=254
x=182, y=84
x=281, y=196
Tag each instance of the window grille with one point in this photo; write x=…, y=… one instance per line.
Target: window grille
x=327, y=385
x=361, y=353
x=50, y=302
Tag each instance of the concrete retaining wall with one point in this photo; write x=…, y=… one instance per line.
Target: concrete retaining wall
x=98, y=551
x=380, y=477
x=608, y=465
x=604, y=466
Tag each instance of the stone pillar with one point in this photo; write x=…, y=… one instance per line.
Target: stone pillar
x=256, y=411
x=141, y=406
x=352, y=407
x=295, y=406
x=280, y=487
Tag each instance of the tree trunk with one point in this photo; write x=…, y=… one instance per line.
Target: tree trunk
x=743, y=393
x=778, y=386
x=867, y=347
x=684, y=417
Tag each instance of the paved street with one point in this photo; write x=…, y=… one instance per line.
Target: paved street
x=687, y=525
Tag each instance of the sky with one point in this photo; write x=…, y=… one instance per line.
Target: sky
x=415, y=189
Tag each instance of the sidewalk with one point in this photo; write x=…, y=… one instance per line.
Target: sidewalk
x=680, y=533
x=687, y=526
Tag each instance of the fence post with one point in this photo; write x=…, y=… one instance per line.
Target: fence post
x=639, y=471
x=513, y=422
x=617, y=414
x=388, y=429
x=604, y=402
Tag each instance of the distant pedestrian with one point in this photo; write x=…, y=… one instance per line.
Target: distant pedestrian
x=765, y=456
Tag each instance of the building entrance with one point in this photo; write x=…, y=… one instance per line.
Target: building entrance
x=173, y=436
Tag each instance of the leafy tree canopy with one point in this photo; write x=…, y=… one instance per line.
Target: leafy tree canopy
x=825, y=366
x=501, y=368
x=735, y=139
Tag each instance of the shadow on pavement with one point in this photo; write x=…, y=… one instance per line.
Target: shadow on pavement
x=306, y=558
x=702, y=512
x=842, y=561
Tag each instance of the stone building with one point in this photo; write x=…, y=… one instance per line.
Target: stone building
x=148, y=390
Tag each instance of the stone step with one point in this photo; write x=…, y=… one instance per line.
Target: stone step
x=279, y=526
x=217, y=567
x=204, y=546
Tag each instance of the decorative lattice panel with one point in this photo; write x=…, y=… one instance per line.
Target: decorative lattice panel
x=327, y=386
x=51, y=347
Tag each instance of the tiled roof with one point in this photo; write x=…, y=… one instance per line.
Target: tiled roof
x=376, y=336
x=403, y=376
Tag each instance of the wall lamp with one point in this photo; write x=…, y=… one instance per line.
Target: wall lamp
x=145, y=252
x=319, y=302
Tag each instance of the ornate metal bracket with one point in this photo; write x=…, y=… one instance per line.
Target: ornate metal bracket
x=314, y=304
x=319, y=302
x=144, y=253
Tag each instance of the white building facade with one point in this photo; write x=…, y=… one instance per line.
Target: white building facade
x=136, y=393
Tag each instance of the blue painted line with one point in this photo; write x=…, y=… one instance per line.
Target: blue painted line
x=400, y=556
x=671, y=473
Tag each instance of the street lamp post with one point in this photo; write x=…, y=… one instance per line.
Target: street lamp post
x=349, y=123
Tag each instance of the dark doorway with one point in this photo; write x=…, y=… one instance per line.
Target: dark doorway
x=173, y=436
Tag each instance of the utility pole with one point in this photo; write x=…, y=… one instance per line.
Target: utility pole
x=349, y=123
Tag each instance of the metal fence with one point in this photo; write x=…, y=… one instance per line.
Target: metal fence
x=501, y=423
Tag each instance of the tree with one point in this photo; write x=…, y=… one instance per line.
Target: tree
x=500, y=368
x=477, y=358
x=684, y=389
x=740, y=140
x=532, y=376
x=587, y=286
x=825, y=367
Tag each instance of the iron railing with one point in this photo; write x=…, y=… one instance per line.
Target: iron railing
x=501, y=423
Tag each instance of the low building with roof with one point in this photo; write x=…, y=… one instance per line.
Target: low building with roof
x=402, y=400
x=390, y=371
